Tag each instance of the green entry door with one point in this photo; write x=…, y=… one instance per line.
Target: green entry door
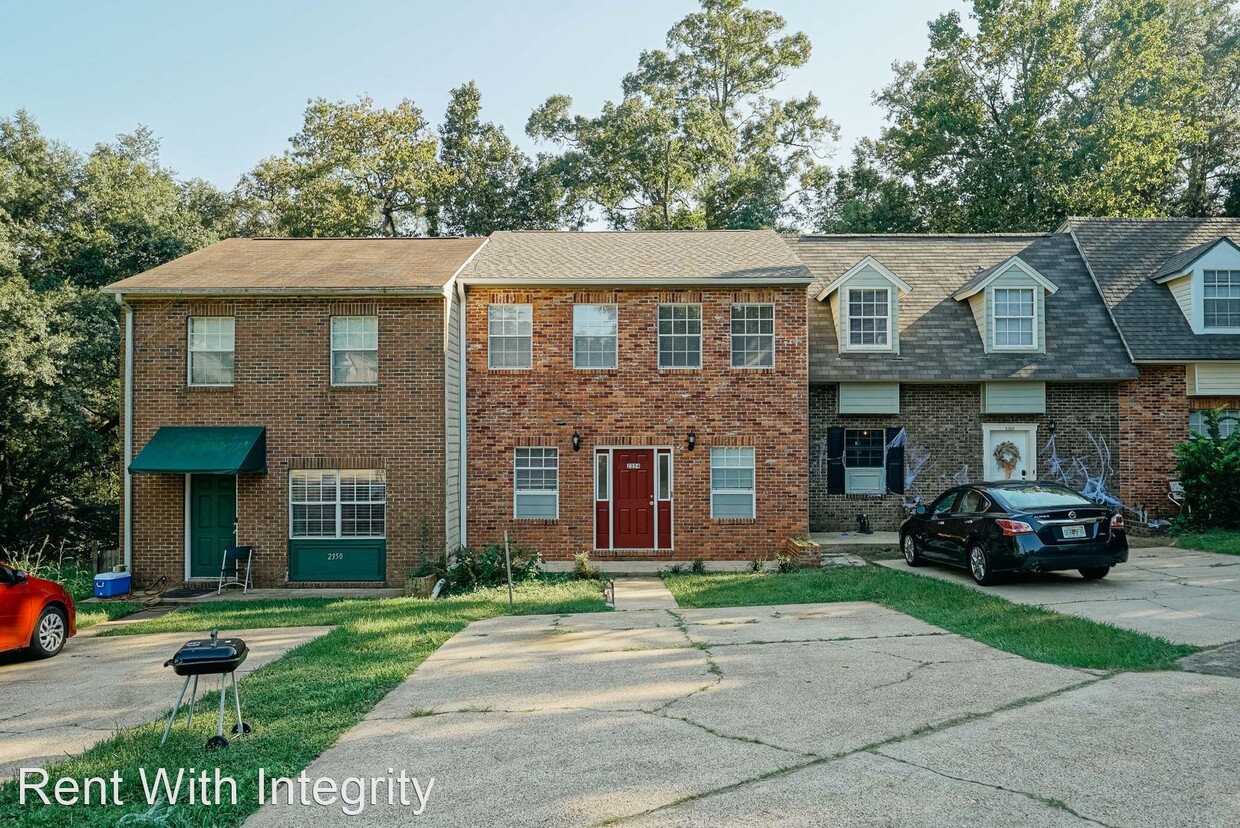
x=213, y=522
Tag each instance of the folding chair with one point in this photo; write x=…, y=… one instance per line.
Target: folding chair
x=1176, y=494
x=230, y=568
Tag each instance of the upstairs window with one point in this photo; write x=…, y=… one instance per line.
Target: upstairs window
x=869, y=317
x=753, y=336
x=594, y=336
x=680, y=336
x=1221, y=299
x=537, y=484
x=1014, y=317
x=211, y=350
x=355, y=350
x=510, y=330
x=732, y=482
x=327, y=503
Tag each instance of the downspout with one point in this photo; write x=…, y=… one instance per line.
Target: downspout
x=127, y=444
x=462, y=495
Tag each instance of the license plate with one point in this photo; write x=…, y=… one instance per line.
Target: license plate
x=1074, y=531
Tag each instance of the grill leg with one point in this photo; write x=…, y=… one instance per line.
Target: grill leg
x=176, y=710
x=237, y=700
x=223, y=697
x=193, y=697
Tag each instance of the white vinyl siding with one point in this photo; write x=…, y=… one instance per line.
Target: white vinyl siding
x=329, y=503
x=1182, y=291
x=753, y=336
x=1013, y=398
x=869, y=398
x=536, y=493
x=355, y=350
x=212, y=344
x=1228, y=422
x=1220, y=299
x=1214, y=379
x=732, y=482
x=680, y=336
x=1014, y=316
x=594, y=336
x=510, y=333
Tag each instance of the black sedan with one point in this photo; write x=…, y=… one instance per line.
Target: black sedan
x=991, y=528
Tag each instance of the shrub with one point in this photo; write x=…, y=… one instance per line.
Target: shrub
x=756, y=564
x=787, y=563
x=698, y=567
x=469, y=567
x=583, y=569
x=673, y=569
x=1208, y=466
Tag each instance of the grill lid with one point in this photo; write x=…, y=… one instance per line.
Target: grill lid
x=223, y=654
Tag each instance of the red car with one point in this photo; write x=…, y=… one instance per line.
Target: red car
x=34, y=614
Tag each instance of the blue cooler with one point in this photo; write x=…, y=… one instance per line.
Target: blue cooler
x=110, y=584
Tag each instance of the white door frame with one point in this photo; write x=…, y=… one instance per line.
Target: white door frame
x=610, y=451
x=1031, y=462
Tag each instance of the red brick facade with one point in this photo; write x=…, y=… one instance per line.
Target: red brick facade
x=637, y=404
x=282, y=381
x=1153, y=419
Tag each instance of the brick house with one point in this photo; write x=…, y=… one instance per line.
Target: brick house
x=297, y=396
x=636, y=395
x=939, y=359
x=1173, y=289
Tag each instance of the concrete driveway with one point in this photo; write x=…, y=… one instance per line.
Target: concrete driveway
x=806, y=715
x=1184, y=596
x=59, y=707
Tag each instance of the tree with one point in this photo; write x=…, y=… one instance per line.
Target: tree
x=860, y=198
x=698, y=140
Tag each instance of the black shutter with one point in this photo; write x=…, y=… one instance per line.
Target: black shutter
x=895, y=462
x=835, y=460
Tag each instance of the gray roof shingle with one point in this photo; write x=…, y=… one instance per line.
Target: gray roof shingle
x=684, y=257
x=939, y=340
x=1125, y=256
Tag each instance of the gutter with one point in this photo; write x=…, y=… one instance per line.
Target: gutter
x=127, y=439
x=462, y=497
x=735, y=284
x=290, y=292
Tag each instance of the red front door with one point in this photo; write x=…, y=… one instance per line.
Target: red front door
x=633, y=498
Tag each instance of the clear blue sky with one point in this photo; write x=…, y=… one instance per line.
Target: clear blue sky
x=224, y=83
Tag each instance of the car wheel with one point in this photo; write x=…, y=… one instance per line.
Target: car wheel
x=50, y=633
x=1094, y=573
x=979, y=566
x=912, y=555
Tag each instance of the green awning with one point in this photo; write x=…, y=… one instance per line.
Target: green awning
x=204, y=450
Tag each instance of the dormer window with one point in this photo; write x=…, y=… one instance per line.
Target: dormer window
x=865, y=302
x=1015, y=318
x=1220, y=299
x=1205, y=283
x=1009, y=304
x=869, y=318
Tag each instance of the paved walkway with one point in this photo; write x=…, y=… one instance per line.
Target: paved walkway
x=1184, y=596
x=643, y=594
x=61, y=706
x=845, y=714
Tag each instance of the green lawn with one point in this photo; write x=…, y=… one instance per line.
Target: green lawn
x=1219, y=540
x=1031, y=632
x=299, y=704
x=88, y=615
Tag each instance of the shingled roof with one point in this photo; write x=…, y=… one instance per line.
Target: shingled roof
x=1125, y=255
x=740, y=257
x=308, y=266
x=939, y=340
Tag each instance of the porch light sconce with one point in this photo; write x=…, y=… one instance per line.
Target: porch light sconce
x=692, y=440
x=576, y=441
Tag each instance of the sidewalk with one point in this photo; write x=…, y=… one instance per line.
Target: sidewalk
x=643, y=594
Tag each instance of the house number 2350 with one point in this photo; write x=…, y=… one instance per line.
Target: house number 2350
x=335, y=556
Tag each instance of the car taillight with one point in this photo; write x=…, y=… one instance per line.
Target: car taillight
x=1014, y=527
x=1117, y=521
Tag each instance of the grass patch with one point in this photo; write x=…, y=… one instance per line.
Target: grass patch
x=88, y=615
x=299, y=705
x=1219, y=540
x=1031, y=632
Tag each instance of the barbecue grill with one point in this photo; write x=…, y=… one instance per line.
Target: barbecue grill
x=204, y=657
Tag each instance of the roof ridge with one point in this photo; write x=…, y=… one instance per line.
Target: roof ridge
x=1030, y=235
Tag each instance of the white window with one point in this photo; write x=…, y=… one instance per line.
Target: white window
x=1228, y=423
x=594, y=336
x=869, y=317
x=680, y=336
x=1221, y=299
x=355, y=350
x=732, y=482
x=1014, y=318
x=537, y=489
x=864, y=454
x=510, y=330
x=329, y=503
x=753, y=336
x=211, y=349
x=602, y=475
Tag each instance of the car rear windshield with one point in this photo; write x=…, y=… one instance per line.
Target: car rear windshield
x=1045, y=496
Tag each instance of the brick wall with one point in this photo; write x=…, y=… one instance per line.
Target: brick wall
x=637, y=404
x=282, y=381
x=944, y=422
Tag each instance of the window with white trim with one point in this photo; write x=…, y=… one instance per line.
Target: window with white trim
x=1221, y=299
x=355, y=350
x=331, y=503
x=869, y=317
x=537, y=484
x=732, y=482
x=753, y=336
x=1228, y=423
x=212, y=343
x=510, y=332
x=680, y=336
x=594, y=336
x=1015, y=320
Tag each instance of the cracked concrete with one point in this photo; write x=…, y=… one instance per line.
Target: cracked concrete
x=1181, y=595
x=807, y=715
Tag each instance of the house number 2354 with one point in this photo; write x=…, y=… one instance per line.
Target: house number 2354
x=633, y=466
